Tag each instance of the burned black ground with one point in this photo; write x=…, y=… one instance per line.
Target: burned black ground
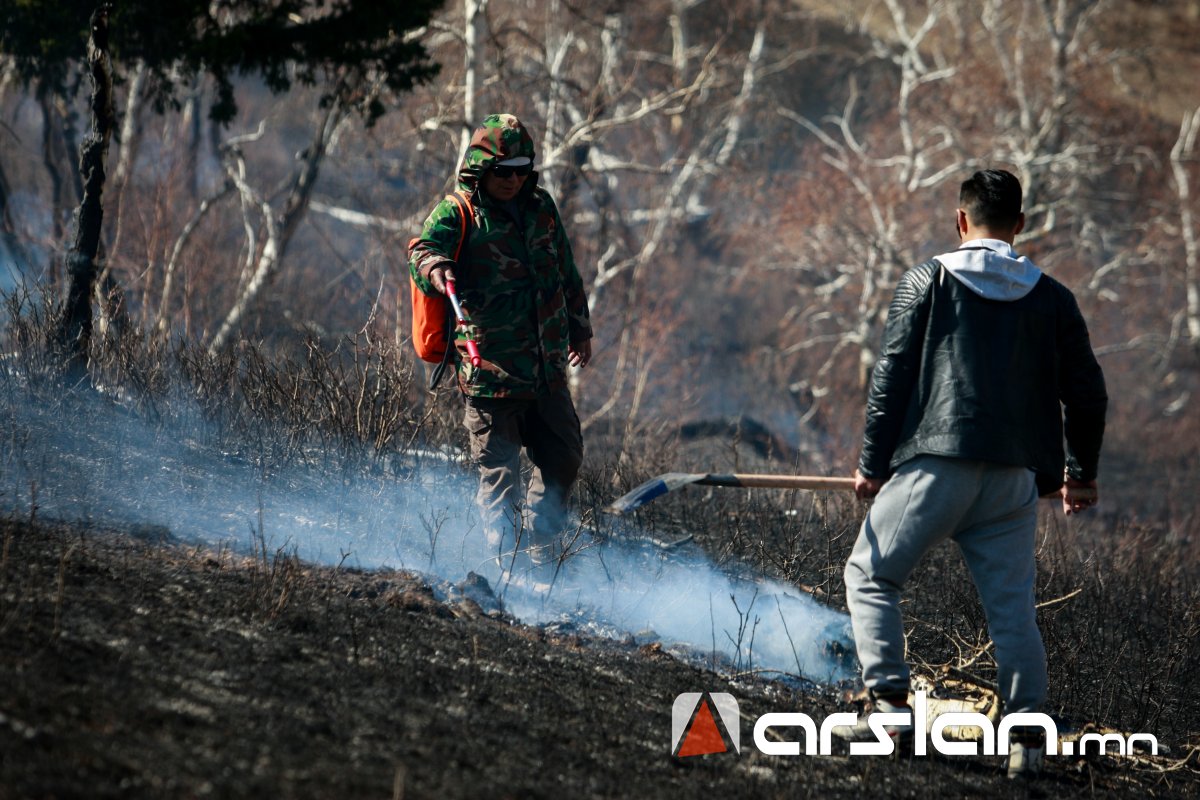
x=137, y=664
x=137, y=667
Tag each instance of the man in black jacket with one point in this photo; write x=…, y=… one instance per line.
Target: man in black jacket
x=984, y=358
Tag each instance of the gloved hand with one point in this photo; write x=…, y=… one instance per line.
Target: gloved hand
x=438, y=277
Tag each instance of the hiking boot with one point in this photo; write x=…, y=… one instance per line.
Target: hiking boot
x=1026, y=751
x=901, y=734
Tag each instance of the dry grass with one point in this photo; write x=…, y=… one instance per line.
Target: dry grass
x=1121, y=610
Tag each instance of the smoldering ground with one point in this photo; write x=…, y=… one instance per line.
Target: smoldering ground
x=86, y=458
x=141, y=669
x=170, y=667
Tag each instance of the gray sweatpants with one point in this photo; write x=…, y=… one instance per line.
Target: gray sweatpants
x=548, y=430
x=990, y=511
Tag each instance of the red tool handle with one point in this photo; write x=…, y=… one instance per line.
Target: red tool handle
x=472, y=348
x=473, y=353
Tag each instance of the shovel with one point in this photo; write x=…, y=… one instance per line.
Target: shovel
x=669, y=482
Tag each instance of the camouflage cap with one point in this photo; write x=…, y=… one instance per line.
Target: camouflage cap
x=500, y=137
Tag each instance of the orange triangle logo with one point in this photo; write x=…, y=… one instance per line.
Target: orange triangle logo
x=703, y=737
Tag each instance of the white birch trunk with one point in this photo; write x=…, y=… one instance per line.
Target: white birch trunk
x=473, y=20
x=279, y=234
x=1183, y=151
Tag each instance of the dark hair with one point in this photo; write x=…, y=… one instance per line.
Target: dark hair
x=991, y=198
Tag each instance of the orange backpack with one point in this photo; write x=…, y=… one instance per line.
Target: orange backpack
x=432, y=321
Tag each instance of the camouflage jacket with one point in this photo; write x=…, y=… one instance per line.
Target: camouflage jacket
x=516, y=276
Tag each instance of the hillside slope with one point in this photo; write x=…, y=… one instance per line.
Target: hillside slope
x=138, y=667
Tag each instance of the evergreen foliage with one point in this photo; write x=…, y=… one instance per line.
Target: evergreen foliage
x=307, y=41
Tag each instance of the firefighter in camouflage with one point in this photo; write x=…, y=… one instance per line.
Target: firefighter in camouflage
x=528, y=313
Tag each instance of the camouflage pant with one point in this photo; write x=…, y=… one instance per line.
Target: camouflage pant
x=548, y=429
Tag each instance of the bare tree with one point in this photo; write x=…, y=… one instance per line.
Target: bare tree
x=1183, y=152
x=264, y=261
x=474, y=24
x=75, y=328
x=11, y=244
x=161, y=320
x=883, y=169
x=1035, y=43
x=942, y=121
x=127, y=149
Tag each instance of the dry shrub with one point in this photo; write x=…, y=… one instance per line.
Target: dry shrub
x=1121, y=603
x=360, y=399
x=1119, y=611
x=1124, y=645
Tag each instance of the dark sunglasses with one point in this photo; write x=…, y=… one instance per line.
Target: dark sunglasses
x=501, y=171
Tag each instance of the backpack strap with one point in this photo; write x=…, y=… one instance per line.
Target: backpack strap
x=466, y=216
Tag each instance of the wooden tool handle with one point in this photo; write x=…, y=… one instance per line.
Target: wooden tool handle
x=815, y=482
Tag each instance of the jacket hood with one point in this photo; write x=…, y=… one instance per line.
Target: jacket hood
x=499, y=138
x=992, y=269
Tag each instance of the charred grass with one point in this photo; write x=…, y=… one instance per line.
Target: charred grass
x=139, y=665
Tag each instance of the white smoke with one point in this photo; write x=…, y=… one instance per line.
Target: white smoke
x=113, y=470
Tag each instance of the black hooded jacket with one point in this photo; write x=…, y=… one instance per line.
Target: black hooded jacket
x=965, y=376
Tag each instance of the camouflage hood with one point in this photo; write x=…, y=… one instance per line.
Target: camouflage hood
x=499, y=138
